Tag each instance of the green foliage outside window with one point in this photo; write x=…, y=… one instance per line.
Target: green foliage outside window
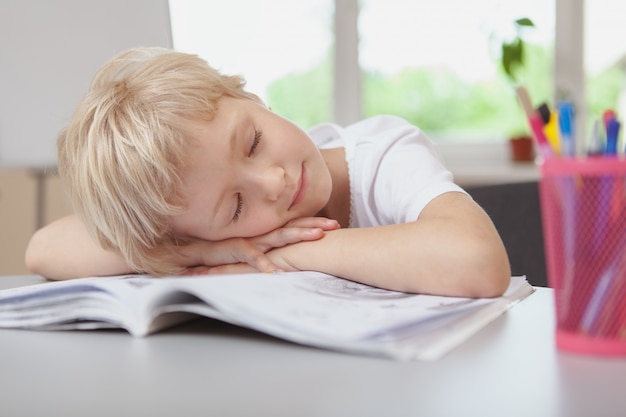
x=603, y=91
x=438, y=100
x=304, y=98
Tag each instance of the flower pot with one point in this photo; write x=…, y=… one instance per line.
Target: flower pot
x=522, y=149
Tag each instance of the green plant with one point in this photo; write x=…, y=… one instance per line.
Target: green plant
x=512, y=51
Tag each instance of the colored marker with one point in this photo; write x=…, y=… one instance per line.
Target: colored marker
x=597, y=300
x=566, y=128
x=536, y=124
x=551, y=131
x=612, y=132
x=544, y=112
x=606, y=116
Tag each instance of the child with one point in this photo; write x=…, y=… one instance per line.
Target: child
x=173, y=167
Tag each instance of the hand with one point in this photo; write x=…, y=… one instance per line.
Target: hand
x=249, y=254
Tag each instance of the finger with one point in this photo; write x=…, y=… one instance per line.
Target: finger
x=204, y=253
x=240, y=268
x=195, y=270
x=323, y=223
x=286, y=236
x=253, y=256
x=201, y=254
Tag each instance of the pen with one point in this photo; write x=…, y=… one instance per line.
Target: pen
x=536, y=124
x=524, y=99
x=535, y=121
x=610, y=318
x=612, y=132
x=607, y=115
x=567, y=193
x=596, y=139
x=598, y=300
x=544, y=112
x=566, y=127
x=551, y=131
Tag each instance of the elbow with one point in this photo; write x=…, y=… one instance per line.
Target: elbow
x=31, y=259
x=37, y=258
x=478, y=268
x=491, y=270
x=493, y=283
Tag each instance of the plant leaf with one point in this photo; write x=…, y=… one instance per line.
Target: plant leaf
x=507, y=59
x=512, y=56
x=524, y=21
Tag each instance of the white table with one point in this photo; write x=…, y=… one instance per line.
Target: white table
x=206, y=368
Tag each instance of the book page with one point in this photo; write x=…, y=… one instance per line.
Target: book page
x=320, y=304
x=304, y=307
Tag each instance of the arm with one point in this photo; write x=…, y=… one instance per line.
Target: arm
x=452, y=249
x=64, y=250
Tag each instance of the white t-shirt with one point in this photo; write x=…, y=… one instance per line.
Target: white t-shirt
x=394, y=168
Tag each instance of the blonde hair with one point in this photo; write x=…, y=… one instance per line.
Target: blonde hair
x=121, y=153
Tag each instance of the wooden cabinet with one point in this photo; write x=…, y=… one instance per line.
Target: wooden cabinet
x=28, y=199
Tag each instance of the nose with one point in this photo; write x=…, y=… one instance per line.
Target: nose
x=268, y=182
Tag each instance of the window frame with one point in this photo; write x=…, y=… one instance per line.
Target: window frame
x=476, y=163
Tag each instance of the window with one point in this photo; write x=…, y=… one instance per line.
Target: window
x=281, y=47
x=436, y=63
x=605, y=56
x=430, y=62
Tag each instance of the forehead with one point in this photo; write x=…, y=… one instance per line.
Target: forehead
x=211, y=130
x=228, y=112
x=206, y=161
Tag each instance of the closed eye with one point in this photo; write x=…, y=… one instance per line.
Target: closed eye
x=239, y=207
x=255, y=143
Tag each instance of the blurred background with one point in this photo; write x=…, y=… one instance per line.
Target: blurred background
x=436, y=63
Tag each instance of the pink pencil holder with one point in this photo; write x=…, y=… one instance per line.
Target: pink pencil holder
x=583, y=207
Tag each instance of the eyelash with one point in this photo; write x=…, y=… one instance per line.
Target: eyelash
x=255, y=142
x=239, y=207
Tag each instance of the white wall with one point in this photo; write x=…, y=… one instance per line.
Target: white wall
x=49, y=51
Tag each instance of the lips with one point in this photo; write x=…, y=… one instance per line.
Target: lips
x=301, y=190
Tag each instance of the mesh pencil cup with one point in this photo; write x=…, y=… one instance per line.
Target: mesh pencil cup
x=583, y=206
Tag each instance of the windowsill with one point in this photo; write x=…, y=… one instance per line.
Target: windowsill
x=485, y=163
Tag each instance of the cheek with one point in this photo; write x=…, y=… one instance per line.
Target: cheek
x=195, y=220
x=258, y=223
x=187, y=225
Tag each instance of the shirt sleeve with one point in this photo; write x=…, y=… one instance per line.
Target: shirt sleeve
x=397, y=171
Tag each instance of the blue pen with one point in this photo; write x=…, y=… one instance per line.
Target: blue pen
x=566, y=127
x=612, y=132
x=598, y=299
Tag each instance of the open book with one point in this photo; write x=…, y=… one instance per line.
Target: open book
x=303, y=307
